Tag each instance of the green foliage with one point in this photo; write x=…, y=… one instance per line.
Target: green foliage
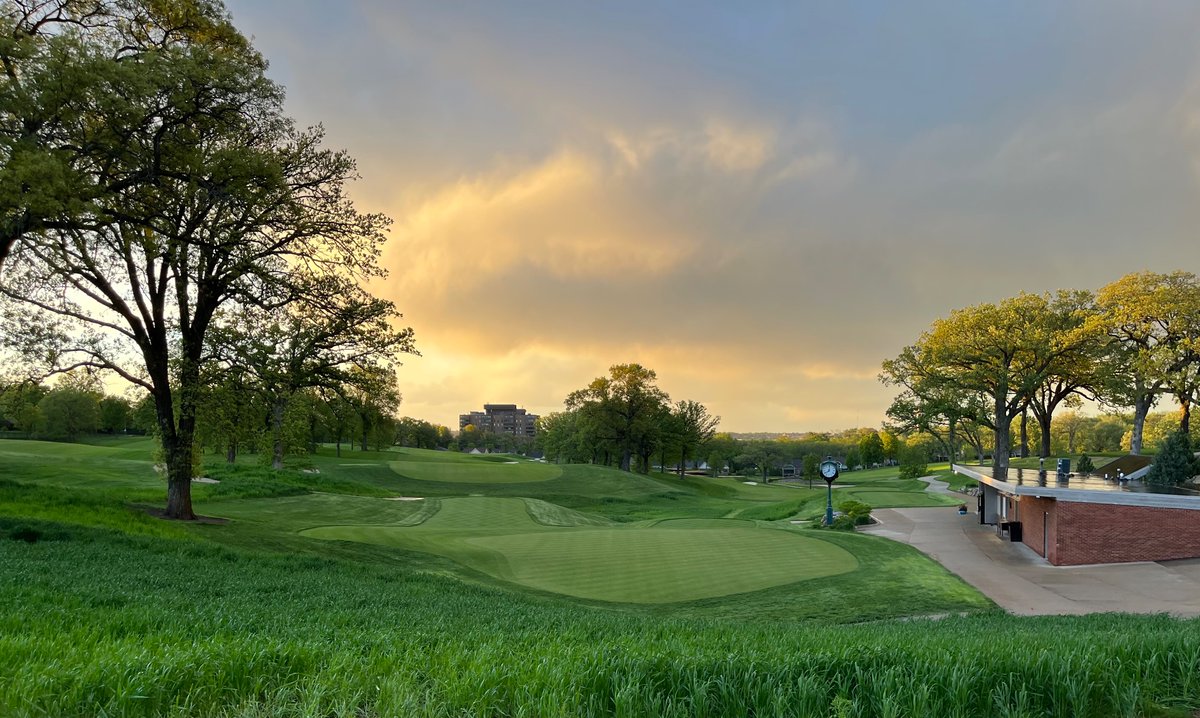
x=1174, y=463
x=858, y=511
x=844, y=523
x=1085, y=465
x=914, y=462
x=70, y=412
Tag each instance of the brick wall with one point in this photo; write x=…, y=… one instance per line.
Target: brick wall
x=1106, y=533
x=1032, y=513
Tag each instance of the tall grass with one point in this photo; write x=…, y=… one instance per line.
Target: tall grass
x=101, y=623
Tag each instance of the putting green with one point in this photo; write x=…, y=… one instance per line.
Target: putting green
x=891, y=499
x=665, y=563
x=476, y=471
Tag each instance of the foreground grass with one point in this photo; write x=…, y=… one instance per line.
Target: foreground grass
x=105, y=611
x=100, y=623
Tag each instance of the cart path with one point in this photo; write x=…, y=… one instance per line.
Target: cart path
x=1021, y=582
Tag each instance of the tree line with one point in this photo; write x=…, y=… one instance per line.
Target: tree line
x=990, y=370
x=162, y=219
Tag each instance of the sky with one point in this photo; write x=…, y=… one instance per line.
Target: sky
x=761, y=201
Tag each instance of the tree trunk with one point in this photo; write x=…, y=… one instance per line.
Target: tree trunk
x=1001, y=446
x=626, y=456
x=231, y=451
x=1044, y=424
x=1185, y=415
x=952, y=441
x=278, y=407
x=683, y=454
x=179, y=480
x=1141, y=407
x=1024, y=451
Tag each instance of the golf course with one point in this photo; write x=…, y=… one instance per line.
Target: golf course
x=410, y=582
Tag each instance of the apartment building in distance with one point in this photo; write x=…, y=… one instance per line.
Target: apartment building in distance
x=501, y=419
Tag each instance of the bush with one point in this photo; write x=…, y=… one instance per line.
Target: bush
x=845, y=522
x=858, y=512
x=1085, y=465
x=1174, y=463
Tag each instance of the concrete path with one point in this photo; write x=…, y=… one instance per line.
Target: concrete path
x=1021, y=582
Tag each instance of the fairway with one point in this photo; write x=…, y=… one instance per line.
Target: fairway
x=476, y=471
x=669, y=562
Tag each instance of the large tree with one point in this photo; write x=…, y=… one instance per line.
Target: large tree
x=347, y=342
x=1154, y=320
x=622, y=408
x=1074, y=369
x=150, y=178
x=1003, y=351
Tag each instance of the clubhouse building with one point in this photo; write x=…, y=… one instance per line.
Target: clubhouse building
x=1072, y=520
x=501, y=419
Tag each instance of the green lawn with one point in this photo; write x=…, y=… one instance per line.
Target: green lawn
x=671, y=561
x=476, y=472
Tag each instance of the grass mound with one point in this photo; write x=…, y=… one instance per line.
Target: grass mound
x=478, y=471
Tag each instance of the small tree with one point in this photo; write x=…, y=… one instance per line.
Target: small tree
x=914, y=461
x=1174, y=463
x=1085, y=464
x=811, y=465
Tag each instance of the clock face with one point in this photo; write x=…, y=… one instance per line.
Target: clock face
x=828, y=469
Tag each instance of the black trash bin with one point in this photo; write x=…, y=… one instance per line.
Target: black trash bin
x=1014, y=531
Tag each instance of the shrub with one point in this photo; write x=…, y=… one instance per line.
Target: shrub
x=858, y=512
x=1085, y=464
x=1174, y=463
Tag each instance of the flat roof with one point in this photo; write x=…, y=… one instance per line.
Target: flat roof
x=1085, y=489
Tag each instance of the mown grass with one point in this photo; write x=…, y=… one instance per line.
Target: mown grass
x=106, y=611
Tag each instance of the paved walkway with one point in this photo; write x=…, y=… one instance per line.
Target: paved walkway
x=1021, y=582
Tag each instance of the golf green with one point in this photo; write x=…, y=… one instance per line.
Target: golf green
x=670, y=562
x=477, y=472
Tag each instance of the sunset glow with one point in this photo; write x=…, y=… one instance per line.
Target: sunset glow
x=759, y=202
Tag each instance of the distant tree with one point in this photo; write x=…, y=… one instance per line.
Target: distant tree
x=812, y=466
x=114, y=414
x=891, y=445
x=696, y=427
x=1071, y=429
x=870, y=445
x=1105, y=434
x=1174, y=463
x=19, y=404
x=70, y=412
x=853, y=458
x=914, y=461
x=1085, y=464
x=622, y=408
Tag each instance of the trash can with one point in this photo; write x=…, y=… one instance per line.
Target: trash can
x=1014, y=531
x=1064, y=467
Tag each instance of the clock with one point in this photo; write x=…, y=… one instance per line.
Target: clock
x=829, y=470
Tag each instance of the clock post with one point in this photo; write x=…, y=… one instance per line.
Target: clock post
x=829, y=472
